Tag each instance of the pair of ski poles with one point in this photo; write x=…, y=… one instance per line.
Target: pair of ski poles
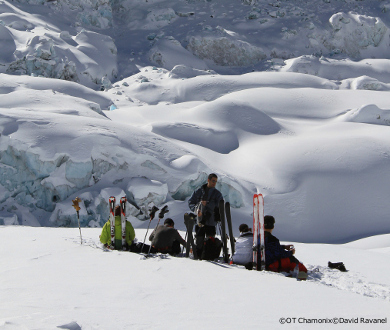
x=152, y=214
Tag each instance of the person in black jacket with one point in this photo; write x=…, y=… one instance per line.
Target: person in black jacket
x=204, y=202
x=280, y=258
x=166, y=239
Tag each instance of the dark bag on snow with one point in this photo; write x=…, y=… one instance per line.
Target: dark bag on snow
x=337, y=265
x=212, y=248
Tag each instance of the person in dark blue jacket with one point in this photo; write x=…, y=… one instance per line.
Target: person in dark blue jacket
x=280, y=258
x=204, y=202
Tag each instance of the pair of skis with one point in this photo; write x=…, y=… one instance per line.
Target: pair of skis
x=122, y=203
x=189, y=221
x=224, y=212
x=258, y=232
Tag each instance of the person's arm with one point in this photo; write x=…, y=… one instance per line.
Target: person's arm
x=282, y=253
x=105, y=235
x=130, y=233
x=194, y=200
x=273, y=247
x=179, y=238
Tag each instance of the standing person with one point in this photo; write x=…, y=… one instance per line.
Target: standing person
x=166, y=239
x=279, y=258
x=244, y=247
x=105, y=236
x=204, y=202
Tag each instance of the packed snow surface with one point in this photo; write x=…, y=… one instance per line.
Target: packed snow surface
x=49, y=280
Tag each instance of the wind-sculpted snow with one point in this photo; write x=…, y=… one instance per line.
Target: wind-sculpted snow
x=222, y=123
x=369, y=114
x=21, y=84
x=340, y=69
x=153, y=85
x=219, y=141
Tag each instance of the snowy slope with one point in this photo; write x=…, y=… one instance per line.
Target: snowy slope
x=145, y=99
x=50, y=281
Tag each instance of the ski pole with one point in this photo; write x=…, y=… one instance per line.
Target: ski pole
x=152, y=213
x=160, y=216
x=76, y=202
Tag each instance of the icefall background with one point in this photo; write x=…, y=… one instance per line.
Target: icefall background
x=145, y=98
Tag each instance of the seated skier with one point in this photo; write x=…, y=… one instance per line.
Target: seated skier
x=244, y=247
x=105, y=236
x=279, y=258
x=166, y=239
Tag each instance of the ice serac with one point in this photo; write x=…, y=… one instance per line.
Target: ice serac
x=225, y=51
x=353, y=33
x=143, y=192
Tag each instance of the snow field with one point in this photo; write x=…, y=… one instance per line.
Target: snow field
x=51, y=280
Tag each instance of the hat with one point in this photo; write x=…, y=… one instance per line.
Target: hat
x=117, y=210
x=243, y=228
x=169, y=222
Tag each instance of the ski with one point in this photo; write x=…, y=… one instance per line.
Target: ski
x=189, y=221
x=258, y=232
x=230, y=228
x=123, y=221
x=223, y=229
x=111, y=202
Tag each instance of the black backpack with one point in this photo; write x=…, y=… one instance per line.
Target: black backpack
x=212, y=248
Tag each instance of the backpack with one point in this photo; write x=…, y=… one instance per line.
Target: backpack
x=211, y=248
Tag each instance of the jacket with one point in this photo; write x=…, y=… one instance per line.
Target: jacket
x=213, y=197
x=105, y=236
x=244, y=252
x=273, y=250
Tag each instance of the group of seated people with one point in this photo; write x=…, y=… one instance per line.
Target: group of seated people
x=278, y=258
x=166, y=239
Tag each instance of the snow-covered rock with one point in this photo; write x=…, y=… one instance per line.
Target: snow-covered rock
x=224, y=51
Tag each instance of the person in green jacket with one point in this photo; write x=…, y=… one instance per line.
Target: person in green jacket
x=105, y=236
